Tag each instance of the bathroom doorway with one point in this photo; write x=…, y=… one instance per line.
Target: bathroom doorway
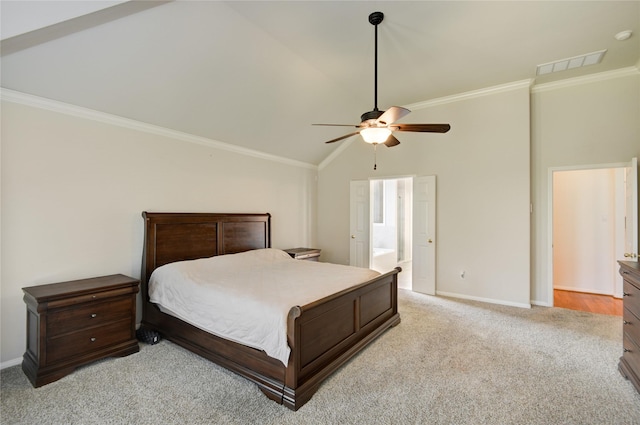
x=391, y=227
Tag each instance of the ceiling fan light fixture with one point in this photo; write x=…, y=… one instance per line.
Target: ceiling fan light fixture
x=375, y=135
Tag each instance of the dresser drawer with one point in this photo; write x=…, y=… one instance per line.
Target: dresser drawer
x=631, y=326
x=88, y=315
x=631, y=298
x=631, y=352
x=87, y=340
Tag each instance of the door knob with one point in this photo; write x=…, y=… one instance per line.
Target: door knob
x=430, y=241
x=353, y=236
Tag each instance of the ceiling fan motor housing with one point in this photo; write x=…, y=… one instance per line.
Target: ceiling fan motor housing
x=371, y=115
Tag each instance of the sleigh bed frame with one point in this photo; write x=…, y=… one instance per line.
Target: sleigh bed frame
x=322, y=335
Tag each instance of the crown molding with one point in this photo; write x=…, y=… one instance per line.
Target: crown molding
x=586, y=79
x=471, y=94
x=90, y=114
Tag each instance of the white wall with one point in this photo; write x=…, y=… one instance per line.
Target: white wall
x=482, y=169
x=585, y=121
x=73, y=190
x=584, y=230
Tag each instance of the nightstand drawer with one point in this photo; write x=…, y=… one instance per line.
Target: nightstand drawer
x=89, y=315
x=95, y=297
x=84, y=341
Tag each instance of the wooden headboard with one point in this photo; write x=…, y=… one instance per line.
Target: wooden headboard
x=170, y=237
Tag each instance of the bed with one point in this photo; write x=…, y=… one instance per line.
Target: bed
x=322, y=335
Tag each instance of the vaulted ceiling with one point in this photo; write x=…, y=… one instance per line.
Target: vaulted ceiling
x=258, y=74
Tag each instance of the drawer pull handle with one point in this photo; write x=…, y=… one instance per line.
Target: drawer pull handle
x=626, y=350
x=93, y=297
x=93, y=339
x=94, y=315
x=625, y=294
x=624, y=322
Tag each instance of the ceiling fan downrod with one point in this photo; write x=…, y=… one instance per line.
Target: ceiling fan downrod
x=375, y=19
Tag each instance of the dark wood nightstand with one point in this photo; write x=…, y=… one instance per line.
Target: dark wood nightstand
x=309, y=254
x=73, y=323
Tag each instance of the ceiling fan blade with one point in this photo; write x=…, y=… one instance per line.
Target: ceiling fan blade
x=422, y=128
x=392, y=141
x=343, y=137
x=392, y=115
x=340, y=125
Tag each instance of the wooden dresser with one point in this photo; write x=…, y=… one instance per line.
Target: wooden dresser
x=629, y=364
x=73, y=323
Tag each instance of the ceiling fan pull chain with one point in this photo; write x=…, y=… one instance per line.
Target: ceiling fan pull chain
x=375, y=156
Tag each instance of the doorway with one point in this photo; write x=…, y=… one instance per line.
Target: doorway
x=391, y=227
x=590, y=224
x=418, y=224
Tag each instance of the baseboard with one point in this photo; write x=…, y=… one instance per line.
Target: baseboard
x=584, y=291
x=11, y=363
x=541, y=303
x=484, y=300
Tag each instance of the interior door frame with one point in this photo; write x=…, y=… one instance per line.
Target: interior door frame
x=550, y=172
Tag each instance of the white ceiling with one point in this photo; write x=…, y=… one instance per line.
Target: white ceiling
x=258, y=74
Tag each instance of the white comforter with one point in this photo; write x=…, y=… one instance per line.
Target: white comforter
x=246, y=297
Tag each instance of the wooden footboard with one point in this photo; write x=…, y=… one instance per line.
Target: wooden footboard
x=322, y=335
x=325, y=334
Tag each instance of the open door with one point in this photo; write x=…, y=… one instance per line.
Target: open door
x=359, y=225
x=424, y=237
x=631, y=212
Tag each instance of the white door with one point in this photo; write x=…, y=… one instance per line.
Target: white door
x=424, y=238
x=631, y=212
x=359, y=223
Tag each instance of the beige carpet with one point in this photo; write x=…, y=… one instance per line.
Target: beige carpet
x=448, y=362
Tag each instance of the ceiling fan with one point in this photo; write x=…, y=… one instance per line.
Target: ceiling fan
x=376, y=127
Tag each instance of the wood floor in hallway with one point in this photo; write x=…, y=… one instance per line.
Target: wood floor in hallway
x=594, y=303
